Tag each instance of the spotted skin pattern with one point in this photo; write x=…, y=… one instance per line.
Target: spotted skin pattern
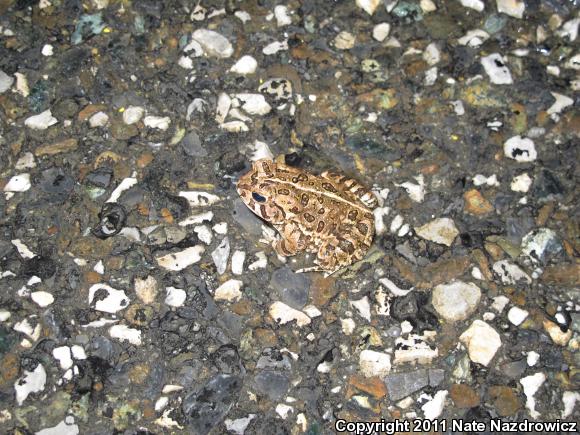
x=328, y=214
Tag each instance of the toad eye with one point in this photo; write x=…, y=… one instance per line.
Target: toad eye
x=257, y=197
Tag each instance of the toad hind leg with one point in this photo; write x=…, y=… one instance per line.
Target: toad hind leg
x=291, y=242
x=361, y=192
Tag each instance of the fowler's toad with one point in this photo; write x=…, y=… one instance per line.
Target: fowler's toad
x=327, y=214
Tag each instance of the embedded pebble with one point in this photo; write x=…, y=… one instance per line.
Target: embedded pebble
x=133, y=114
x=42, y=298
x=238, y=258
x=229, y=291
x=245, y=65
x=482, y=342
x=283, y=314
x=369, y=6
x=496, y=69
x=109, y=299
x=18, y=183
x=220, y=255
x=521, y=183
x=457, y=300
x=159, y=122
x=569, y=399
x=510, y=273
x=199, y=199
x=180, y=260
x=282, y=16
x=41, y=121
x=5, y=82
x=99, y=119
x=372, y=363
x=433, y=408
x=30, y=382
x=213, y=43
x=124, y=333
x=47, y=50
x=254, y=104
x=562, y=101
x=442, y=231
x=344, y=40
x=521, y=149
x=275, y=47
x=513, y=8
x=204, y=233
x=477, y=5
x=175, y=297
x=381, y=31
x=531, y=384
x=516, y=315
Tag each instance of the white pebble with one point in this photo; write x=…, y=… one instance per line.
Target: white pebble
x=363, y=307
x=195, y=219
x=283, y=314
x=516, y=315
x=254, y=104
x=282, y=17
x=133, y=114
x=203, y=233
x=569, y=398
x=185, y=62
x=229, y=291
x=22, y=249
x=432, y=55
x=476, y=5
x=520, y=149
x=428, y=6
x=180, y=260
x=26, y=161
x=510, y=273
x=474, y=38
x=521, y=183
x=369, y=6
x=569, y=29
x=482, y=342
x=275, y=47
x=434, y=407
x=124, y=333
x=220, y=255
x=115, y=300
x=372, y=363
x=531, y=385
x=30, y=382
x=42, y=298
x=235, y=127
x=245, y=65
x=496, y=69
x=344, y=40
x=175, y=297
x=18, y=183
x=381, y=31
x=243, y=16
x=213, y=43
x=63, y=355
x=47, y=50
x=532, y=358
x=197, y=198
x=513, y=8
x=441, y=230
x=220, y=228
x=41, y=121
x=78, y=352
x=562, y=101
x=238, y=259
x=159, y=122
x=99, y=119
x=125, y=184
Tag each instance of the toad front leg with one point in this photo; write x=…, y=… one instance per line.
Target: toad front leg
x=292, y=240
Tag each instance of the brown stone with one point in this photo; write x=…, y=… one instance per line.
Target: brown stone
x=564, y=275
x=90, y=110
x=144, y=160
x=476, y=204
x=464, y=396
x=8, y=368
x=380, y=99
x=443, y=271
x=373, y=386
x=544, y=214
x=505, y=400
x=138, y=373
x=482, y=263
x=494, y=250
x=266, y=337
x=63, y=146
x=166, y=215
x=92, y=277
x=242, y=308
x=322, y=290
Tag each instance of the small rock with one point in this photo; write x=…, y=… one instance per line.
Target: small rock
x=457, y=300
x=496, y=69
x=221, y=254
x=191, y=145
x=403, y=384
x=476, y=5
x=30, y=382
x=254, y=104
x=180, y=260
x=505, y=400
x=344, y=40
x=513, y=8
x=414, y=349
x=520, y=149
x=372, y=363
x=124, y=333
x=18, y=183
x=282, y=17
x=562, y=101
x=6, y=82
x=381, y=31
x=569, y=398
x=474, y=38
x=369, y=6
x=532, y=358
x=99, y=119
x=442, y=231
x=540, y=242
x=283, y=314
x=272, y=383
x=464, y=396
x=238, y=258
x=159, y=122
x=64, y=146
x=482, y=342
x=42, y=298
x=229, y=291
x=41, y=121
x=107, y=299
x=476, y=204
x=516, y=315
x=133, y=114
x=434, y=407
x=245, y=65
x=146, y=289
x=531, y=385
x=175, y=297
x=275, y=47
x=521, y=183
x=64, y=357
x=558, y=336
x=26, y=161
x=213, y=43
x=291, y=287
x=510, y=273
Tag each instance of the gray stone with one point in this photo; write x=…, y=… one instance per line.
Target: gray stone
x=292, y=287
x=5, y=81
x=456, y=301
x=272, y=384
x=251, y=223
x=191, y=145
x=514, y=369
x=436, y=376
x=401, y=385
